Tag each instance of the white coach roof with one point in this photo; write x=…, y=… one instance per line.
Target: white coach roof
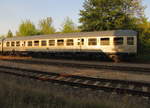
x=78, y=34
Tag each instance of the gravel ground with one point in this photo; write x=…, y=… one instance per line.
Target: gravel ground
x=123, y=64
x=21, y=90
x=108, y=99
x=103, y=73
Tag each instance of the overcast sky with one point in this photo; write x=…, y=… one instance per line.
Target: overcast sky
x=12, y=12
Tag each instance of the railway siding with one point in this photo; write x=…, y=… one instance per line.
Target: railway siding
x=107, y=85
x=65, y=70
x=89, y=64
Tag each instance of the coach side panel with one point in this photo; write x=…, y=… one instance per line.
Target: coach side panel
x=1, y=46
x=105, y=44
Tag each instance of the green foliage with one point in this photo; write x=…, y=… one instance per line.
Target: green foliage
x=46, y=26
x=110, y=14
x=2, y=36
x=144, y=35
x=27, y=28
x=9, y=34
x=17, y=33
x=68, y=26
x=117, y=14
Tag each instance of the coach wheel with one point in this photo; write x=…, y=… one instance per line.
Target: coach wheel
x=12, y=53
x=116, y=59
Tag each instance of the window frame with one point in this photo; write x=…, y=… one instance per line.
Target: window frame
x=12, y=43
x=91, y=42
x=70, y=43
x=60, y=43
x=30, y=43
x=36, y=44
x=116, y=42
x=45, y=43
x=128, y=42
x=52, y=43
x=105, y=41
x=17, y=43
x=7, y=45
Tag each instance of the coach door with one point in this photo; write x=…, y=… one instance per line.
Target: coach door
x=23, y=45
x=80, y=43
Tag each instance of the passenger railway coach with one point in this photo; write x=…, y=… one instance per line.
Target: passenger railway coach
x=114, y=44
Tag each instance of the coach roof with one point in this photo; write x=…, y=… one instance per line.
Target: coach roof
x=78, y=34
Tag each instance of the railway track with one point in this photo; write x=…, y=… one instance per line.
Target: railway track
x=107, y=85
x=84, y=65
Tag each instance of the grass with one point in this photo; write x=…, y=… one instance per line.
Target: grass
x=22, y=93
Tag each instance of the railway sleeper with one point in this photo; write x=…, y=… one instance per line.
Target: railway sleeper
x=76, y=83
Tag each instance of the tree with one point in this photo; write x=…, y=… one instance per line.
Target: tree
x=18, y=33
x=46, y=26
x=27, y=28
x=144, y=35
x=9, y=34
x=68, y=26
x=110, y=14
x=2, y=36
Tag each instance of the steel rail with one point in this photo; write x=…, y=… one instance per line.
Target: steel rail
x=107, y=85
x=84, y=65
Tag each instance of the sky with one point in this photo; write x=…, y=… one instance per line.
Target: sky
x=13, y=12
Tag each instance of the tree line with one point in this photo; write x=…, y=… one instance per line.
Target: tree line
x=28, y=28
x=98, y=15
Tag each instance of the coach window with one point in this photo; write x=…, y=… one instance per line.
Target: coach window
x=105, y=41
x=18, y=43
x=70, y=42
x=7, y=44
x=51, y=42
x=130, y=40
x=36, y=43
x=29, y=43
x=43, y=43
x=118, y=41
x=12, y=43
x=60, y=42
x=92, y=41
